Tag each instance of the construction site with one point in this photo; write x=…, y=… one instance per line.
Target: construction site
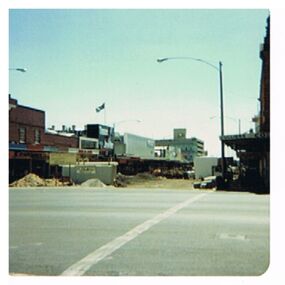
x=142, y=180
x=70, y=155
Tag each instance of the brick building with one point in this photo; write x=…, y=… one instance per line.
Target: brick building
x=26, y=125
x=30, y=144
x=265, y=82
x=253, y=149
x=264, y=162
x=60, y=142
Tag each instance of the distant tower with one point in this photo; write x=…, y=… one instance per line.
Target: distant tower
x=179, y=134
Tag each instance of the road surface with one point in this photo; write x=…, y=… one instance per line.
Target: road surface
x=137, y=232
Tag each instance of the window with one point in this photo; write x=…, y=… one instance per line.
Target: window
x=37, y=136
x=22, y=135
x=88, y=144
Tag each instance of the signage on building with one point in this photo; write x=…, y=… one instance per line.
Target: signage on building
x=58, y=158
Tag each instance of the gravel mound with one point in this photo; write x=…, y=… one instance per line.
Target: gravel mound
x=93, y=183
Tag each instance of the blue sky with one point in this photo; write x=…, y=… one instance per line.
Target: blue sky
x=78, y=59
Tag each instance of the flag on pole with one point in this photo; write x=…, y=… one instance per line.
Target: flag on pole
x=98, y=109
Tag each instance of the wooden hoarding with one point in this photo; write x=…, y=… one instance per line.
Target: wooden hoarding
x=58, y=158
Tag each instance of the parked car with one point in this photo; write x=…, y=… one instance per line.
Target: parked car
x=208, y=182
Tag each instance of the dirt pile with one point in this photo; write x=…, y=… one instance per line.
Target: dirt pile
x=33, y=180
x=30, y=180
x=93, y=183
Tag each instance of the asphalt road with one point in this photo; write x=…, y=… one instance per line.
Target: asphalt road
x=137, y=232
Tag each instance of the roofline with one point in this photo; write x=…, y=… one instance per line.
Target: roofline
x=30, y=108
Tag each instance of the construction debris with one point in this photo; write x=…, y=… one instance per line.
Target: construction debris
x=150, y=181
x=173, y=173
x=125, y=180
x=141, y=180
x=122, y=180
x=33, y=180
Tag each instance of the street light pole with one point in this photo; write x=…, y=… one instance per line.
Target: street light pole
x=239, y=127
x=219, y=69
x=223, y=162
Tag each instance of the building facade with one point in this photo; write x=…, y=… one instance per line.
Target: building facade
x=26, y=125
x=104, y=135
x=264, y=162
x=30, y=144
x=27, y=129
x=253, y=149
x=190, y=147
x=265, y=83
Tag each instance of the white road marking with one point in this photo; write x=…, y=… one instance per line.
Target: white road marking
x=232, y=236
x=37, y=243
x=26, y=245
x=21, y=274
x=83, y=265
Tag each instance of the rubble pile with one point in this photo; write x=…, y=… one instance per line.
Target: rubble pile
x=125, y=180
x=150, y=181
x=122, y=180
x=173, y=173
x=33, y=180
x=144, y=176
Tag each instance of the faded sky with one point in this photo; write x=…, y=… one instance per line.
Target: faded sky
x=78, y=59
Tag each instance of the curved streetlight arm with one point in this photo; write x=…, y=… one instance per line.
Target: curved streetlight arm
x=219, y=69
x=227, y=117
x=160, y=60
x=230, y=118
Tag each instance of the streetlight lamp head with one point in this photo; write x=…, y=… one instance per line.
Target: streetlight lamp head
x=159, y=60
x=21, y=69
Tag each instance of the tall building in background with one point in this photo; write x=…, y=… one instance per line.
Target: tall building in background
x=190, y=147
